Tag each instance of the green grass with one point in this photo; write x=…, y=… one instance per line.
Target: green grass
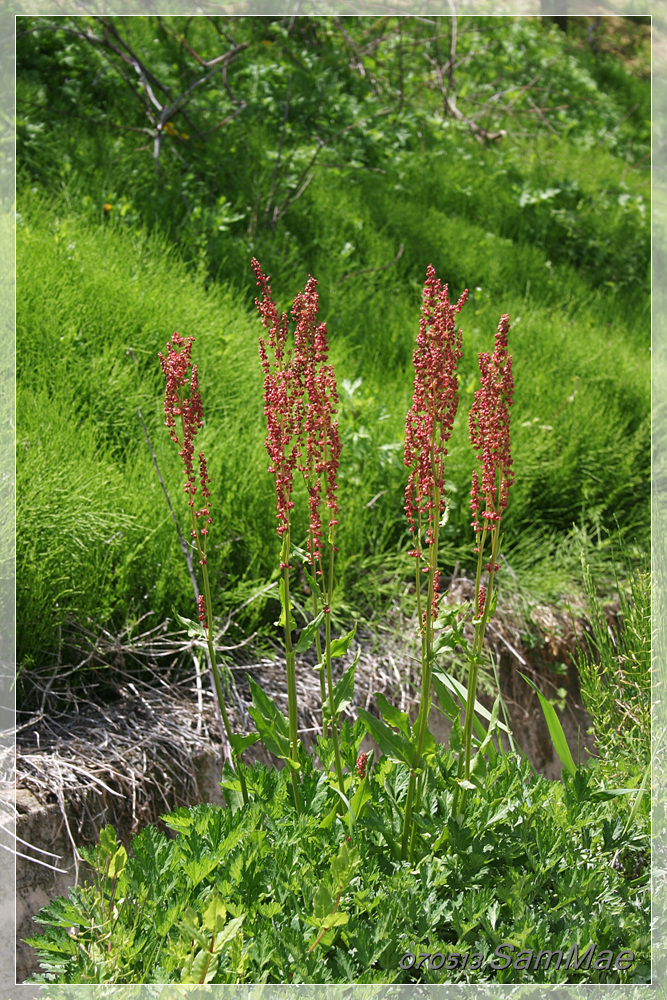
x=551, y=227
x=91, y=294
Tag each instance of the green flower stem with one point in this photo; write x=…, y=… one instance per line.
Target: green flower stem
x=291, y=676
x=327, y=658
x=214, y=664
x=209, y=640
x=427, y=671
x=320, y=660
x=465, y=761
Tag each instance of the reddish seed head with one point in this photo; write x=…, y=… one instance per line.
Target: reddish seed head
x=362, y=762
x=183, y=400
x=428, y=425
x=435, y=400
x=490, y=432
x=202, y=611
x=300, y=400
x=481, y=598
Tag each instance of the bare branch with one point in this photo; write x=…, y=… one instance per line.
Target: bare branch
x=280, y=150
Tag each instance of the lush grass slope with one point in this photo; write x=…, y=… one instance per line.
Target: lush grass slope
x=543, y=227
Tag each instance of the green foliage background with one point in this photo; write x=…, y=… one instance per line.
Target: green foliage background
x=297, y=156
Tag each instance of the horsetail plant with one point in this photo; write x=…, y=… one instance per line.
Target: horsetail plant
x=183, y=400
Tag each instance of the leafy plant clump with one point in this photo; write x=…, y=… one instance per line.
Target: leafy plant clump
x=253, y=894
x=435, y=859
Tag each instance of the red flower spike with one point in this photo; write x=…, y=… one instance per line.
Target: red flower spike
x=183, y=399
x=300, y=399
x=490, y=432
x=362, y=762
x=428, y=425
x=481, y=598
x=202, y=611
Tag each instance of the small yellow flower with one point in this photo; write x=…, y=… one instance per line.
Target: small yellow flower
x=107, y=207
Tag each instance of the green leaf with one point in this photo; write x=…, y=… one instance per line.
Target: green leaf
x=340, y=646
x=282, y=621
x=202, y=970
x=195, y=629
x=240, y=743
x=461, y=690
x=393, y=745
x=117, y=863
x=215, y=915
x=307, y=637
x=343, y=865
x=360, y=798
x=272, y=725
x=228, y=932
x=447, y=703
x=343, y=692
x=555, y=729
x=108, y=841
x=456, y=735
x=323, y=902
x=636, y=803
x=392, y=715
x=430, y=746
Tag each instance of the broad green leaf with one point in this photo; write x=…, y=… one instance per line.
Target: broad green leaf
x=307, y=637
x=392, y=715
x=215, y=915
x=555, y=729
x=636, y=803
x=340, y=646
x=329, y=818
x=478, y=769
x=430, y=746
x=202, y=970
x=323, y=902
x=343, y=692
x=195, y=629
x=241, y=743
x=335, y=919
x=272, y=725
x=228, y=932
x=360, y=798
x=117, y=863
x=493, y=725
x=447, y=703
x=343, y=865
x=393, y=745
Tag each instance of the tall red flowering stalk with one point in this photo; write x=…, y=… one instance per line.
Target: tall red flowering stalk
x=428, y=429
x=489, y=423
x=316, y=383
x=182, y=405
x=282, y=408
x=300, y=399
